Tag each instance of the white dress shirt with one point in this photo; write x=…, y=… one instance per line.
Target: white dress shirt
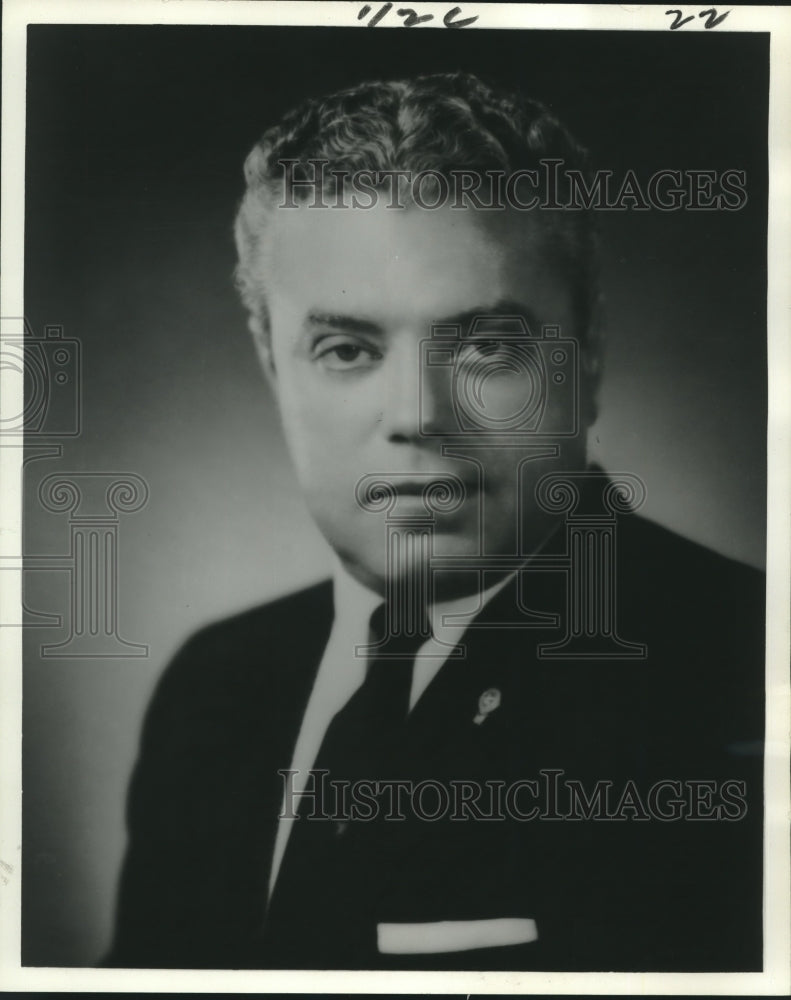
x=342, y=671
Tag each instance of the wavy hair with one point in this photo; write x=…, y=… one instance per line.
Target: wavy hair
x=441, y=122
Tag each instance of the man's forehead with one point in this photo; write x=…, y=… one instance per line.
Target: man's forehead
x=448, y=258
x=383, y=231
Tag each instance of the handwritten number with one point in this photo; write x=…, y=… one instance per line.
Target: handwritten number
x=712, y=20
x=411, y=16
x=448, y=21
x=384, y=9
x=679, y=19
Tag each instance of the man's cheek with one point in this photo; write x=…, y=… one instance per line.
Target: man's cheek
x=307, y=424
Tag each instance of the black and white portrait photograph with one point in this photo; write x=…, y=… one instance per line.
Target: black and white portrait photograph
x=395, y=556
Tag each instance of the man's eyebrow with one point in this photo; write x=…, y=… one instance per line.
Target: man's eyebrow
x=505, y=307
x=348, y=324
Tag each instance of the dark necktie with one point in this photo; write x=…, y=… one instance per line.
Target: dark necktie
x=318, y=914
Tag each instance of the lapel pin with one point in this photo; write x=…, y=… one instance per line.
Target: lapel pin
x=487, y=703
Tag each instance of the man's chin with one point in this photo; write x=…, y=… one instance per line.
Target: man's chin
x=452, y=569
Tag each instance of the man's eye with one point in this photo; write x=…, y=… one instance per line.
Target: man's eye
x=346, y=352
x=485, y=348
x=342, y=355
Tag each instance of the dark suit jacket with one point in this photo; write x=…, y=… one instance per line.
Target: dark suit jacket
x=634, y=893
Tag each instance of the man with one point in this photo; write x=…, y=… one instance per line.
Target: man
x=517, y=730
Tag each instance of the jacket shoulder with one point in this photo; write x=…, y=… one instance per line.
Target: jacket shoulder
x=246, y=650
x=702, y=616
x=679, y=565
x=267, y=623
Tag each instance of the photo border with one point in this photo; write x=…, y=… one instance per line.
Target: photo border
x=776, y=978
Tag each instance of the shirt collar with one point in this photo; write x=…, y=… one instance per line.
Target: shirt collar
x=355, y=603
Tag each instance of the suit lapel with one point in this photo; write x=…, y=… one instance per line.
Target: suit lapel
x=294, y=653
x=498, y=655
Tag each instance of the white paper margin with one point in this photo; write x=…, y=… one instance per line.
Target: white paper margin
x=776, y=979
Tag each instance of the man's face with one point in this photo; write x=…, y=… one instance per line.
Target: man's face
x=352, y=293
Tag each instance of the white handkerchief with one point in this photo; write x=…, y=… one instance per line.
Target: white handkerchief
x=454, y=935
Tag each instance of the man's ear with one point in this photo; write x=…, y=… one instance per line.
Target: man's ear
x=591, y=364
x=262, y=339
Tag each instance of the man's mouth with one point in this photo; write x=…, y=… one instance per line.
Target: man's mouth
x=427, y=493
x=451, y=485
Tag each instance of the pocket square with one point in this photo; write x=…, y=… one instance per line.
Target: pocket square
x=454, y=935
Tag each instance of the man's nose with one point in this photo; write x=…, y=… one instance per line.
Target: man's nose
x=418, y=402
